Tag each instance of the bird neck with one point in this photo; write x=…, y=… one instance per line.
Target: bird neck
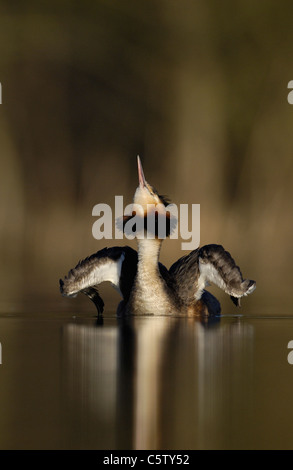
x=148, y=255
x=150, y=294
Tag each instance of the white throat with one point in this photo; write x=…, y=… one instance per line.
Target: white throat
x=148, y=254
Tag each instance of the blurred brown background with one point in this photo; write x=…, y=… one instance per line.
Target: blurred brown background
x=197, y=88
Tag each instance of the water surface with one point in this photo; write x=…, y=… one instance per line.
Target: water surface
x=68, y=381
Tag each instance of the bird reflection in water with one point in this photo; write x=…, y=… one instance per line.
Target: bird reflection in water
x=154, y=379
x=156, y=382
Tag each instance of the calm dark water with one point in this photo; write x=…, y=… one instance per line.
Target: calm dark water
x=70, y=382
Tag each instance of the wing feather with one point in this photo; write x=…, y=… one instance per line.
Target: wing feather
x=116, y=265
x=210, y=264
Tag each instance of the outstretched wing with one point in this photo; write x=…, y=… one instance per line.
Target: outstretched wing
x=210, y=263
x=117, y=265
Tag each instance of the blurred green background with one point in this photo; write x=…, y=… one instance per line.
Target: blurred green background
x=197, y=88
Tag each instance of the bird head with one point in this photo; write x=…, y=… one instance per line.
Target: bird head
x=150, y=209
x=145, y=194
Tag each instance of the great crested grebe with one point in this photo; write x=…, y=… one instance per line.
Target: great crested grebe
x=146, y=285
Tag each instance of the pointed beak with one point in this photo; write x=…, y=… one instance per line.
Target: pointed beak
x=141, y=178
